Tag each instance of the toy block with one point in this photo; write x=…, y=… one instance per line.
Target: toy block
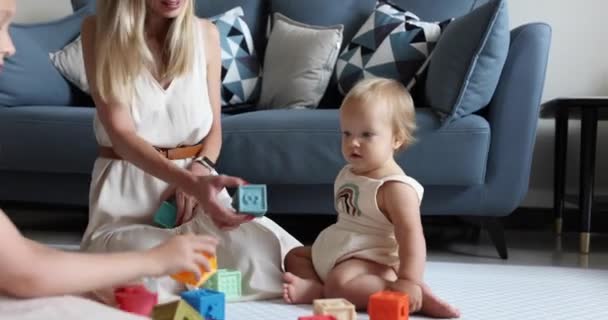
x=341, y=309
x=166, y=215
x=176, y=310
x=135, y=299
x=251, y=199
x=388, y=305
x=210, y=304
x=190, y=278
x=226, y=281
x=317, y=318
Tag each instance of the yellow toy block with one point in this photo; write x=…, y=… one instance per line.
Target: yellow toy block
x=190, y=278
x=341, y=309
x=176, y=310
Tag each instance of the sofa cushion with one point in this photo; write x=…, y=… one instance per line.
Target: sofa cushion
x=29, y=77
x=299, y=62
x=255, y=14
x=51, y=139
x=467, y=62
x=70, y=62
x=303, y=147
x=391, y=44
x=241, y=71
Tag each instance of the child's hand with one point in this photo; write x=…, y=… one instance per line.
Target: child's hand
x=183, y=253
x=413, y=290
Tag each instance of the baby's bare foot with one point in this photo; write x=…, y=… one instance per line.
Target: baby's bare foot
x=298, y=291
x=433, y=306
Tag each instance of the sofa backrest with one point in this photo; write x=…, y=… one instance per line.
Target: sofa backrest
x=29, y=77
x=438, y=10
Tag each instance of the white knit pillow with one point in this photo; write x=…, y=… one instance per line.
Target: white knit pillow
x=70, y=63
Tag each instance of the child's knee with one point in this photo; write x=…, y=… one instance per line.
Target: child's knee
x=292, y=258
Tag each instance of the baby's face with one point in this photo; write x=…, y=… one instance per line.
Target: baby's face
x=368, y=141
x=7, y=11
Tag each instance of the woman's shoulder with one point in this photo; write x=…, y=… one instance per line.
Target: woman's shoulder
x=209, y=29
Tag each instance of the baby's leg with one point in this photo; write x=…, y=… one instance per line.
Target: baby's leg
x=435, y=307
x=298, y=261
x=301, y=284
x=356, y=280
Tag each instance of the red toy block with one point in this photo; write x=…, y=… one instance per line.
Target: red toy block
x=136, y=299
x=388, y=305
x=317, y=318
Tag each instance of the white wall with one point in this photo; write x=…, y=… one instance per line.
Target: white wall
x=578, y=66
x=31, y=11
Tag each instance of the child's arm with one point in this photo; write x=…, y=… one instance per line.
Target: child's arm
x=401, y=204
x=30, y=269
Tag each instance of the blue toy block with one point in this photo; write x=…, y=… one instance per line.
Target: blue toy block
x=209, y=303
x=166, y=215
x=251, y=199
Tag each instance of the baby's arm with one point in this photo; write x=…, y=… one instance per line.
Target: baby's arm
x=29, y=269
x=401, y=205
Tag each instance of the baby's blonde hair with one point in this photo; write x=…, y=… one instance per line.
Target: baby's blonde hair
x=396, y=97
x=122, y=52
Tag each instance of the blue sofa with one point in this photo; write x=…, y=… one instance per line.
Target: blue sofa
x=478, y=165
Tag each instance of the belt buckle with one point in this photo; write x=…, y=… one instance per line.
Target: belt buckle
x=163, y=152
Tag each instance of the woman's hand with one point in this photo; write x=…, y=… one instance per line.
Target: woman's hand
x=186, y=204
x=205, y=190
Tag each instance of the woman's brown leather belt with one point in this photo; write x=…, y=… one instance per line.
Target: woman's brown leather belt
x=169, y=153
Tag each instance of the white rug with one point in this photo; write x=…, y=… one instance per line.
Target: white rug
x=480, y=291
x=486, y=292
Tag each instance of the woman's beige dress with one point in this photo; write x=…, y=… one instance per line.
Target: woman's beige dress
x=123, y=198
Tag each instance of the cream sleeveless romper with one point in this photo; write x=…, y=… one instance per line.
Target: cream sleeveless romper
x=362, y=230
x=123, y=198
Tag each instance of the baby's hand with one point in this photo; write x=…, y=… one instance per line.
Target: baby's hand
x=183, y=253
x=413, y=290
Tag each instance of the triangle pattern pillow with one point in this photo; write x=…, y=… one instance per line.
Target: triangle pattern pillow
x=391, y=44
x=241, y=70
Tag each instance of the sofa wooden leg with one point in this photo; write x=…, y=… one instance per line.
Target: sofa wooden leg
x=495, y=230
x=497, y=235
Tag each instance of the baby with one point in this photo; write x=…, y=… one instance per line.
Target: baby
x=377, y=243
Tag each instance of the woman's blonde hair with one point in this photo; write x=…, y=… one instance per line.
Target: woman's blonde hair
x=122, y=52
x=396, y=97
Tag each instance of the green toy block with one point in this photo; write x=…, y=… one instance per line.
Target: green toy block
x=176, y=310
x=226, y=281
x=166, y=215
x=251, y=199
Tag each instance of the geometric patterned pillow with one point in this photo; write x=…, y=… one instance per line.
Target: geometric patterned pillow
x=241, y=70
x=391, y=44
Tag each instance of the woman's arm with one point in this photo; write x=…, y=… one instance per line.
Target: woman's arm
x=29, y=269
x=213, y=141
x=402, y=206
x=117, y=122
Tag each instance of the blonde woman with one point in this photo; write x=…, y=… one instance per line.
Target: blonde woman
x=154, y=71
x=21, y=274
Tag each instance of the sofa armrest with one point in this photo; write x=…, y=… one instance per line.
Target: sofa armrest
x=513, y=117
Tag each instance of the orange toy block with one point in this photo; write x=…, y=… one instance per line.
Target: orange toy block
x=341, y=309
x=190, y=278
x=388, y=305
